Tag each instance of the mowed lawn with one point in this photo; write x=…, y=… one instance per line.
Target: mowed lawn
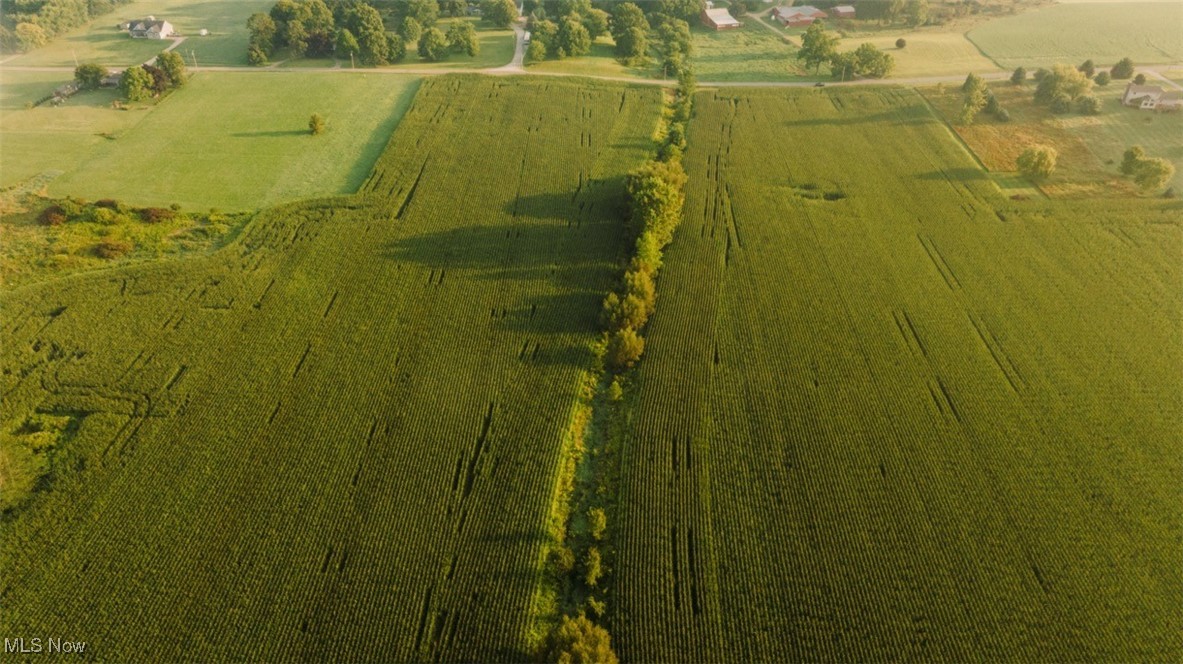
x=102, y=42
x=236, y=141
x=1148, y=32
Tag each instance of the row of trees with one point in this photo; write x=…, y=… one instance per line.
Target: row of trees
x=578, y=24
x=146, y=81
x=820, y=46
x=139, y=83
x=656, y=193
x=356, y=31
x=29, y=24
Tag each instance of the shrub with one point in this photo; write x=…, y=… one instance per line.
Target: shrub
x=1123, y=69
x=1140, y=79
x=1061, y=103
x=1088, y=105
x=593, y=567
x=1037, y=162
x=1102, y=78
x=89, y=75
x=1087, y=68
x=972, y=82
x=1019, y=76
x=1153, y=173
x=1003, y=115
x=316, y=124
x=109, y=203
x=1131, y=158
x=53, y=215
x=155, y=215
x=597, y=522
x=110, y=248
x=901, y=42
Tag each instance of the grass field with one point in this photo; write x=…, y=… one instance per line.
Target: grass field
x=1148, y=32
x=885, y=414
x=1090, y=147
x=600, y=62
x=751, y=53
x=928, y=53
x=236, y=141
x=101, y=42
x=337, y=437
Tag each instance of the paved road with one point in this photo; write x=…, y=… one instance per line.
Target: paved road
x=511, y=69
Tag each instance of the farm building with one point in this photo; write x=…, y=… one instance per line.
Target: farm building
x=149, y=28
x=719, y=19
x=1152, y=97
x=843, y=11
x=797, y=17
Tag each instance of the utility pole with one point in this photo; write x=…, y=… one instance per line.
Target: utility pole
x=193, y=55
x=351, y=60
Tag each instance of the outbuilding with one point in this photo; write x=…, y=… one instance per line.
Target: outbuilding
x=719, y=19
x=843, y=11
x=797, y=17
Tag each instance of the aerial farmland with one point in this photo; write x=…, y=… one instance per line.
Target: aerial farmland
x=591, y=331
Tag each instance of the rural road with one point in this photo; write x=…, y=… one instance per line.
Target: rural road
x=514, y=67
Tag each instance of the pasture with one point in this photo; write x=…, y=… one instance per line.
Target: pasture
x=1090, y=147
x=1148, y=32
x=886, y=414
x=231, y=140
x=101, y=42
x=337, y=436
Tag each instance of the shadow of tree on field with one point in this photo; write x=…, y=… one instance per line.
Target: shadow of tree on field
x=893, y=118
x=278, y=133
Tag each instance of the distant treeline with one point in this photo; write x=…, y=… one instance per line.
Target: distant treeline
x=29, y=24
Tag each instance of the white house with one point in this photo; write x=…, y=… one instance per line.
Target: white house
x=150, y=28
x=1152, y=98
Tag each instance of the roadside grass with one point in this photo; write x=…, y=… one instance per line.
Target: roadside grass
x=102, y=42
x=1148, y=32
x=1089, y=146
x=237, y=141
x=600, y=62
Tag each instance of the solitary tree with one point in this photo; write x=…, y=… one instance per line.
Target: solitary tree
x=1140, y=79
x=89, y=76
x=1102, y=78
x=1123, y=69
x=580, y=641
x=1037, y=163
x=818, y=46
x=1019, y=76
x=316, y=124
x=901, y=42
